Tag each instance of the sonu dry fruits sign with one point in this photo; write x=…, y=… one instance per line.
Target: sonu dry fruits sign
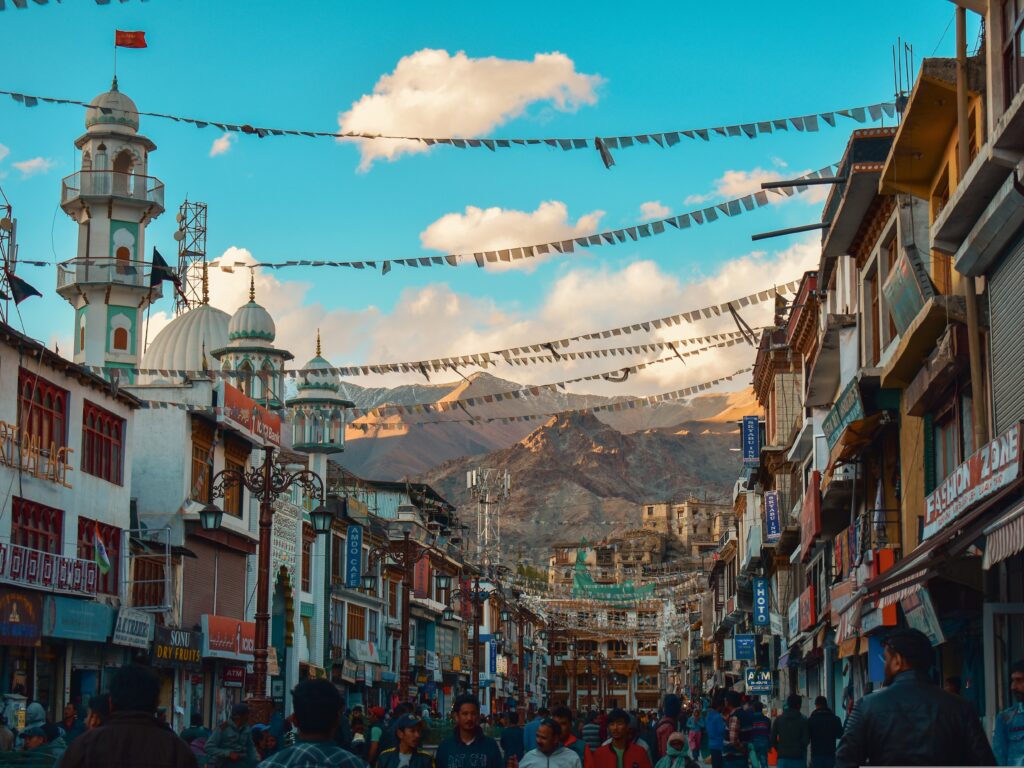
x=178, y=648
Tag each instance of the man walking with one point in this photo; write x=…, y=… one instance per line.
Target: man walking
x=669, y=722
x=760, y=733
x=825, y=728
x=232, y=745
x=407, y=754
x=591, y=732
x=512, y=738
x=132, y=735
x=714, y=726
x=530, y=729
x=734, y=748
x=563, y=717
x=316, y=710
x=621, y=751
x=468, y=747
x=911, y=721
x=550, y=751
x=790, y=735
x=1008, y=738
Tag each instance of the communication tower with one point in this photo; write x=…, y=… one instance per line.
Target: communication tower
x=490, y=487
x=191, y=237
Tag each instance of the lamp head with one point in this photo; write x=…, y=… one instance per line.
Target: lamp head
x=210, y=517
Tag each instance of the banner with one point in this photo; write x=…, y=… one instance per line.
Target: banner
x=751, y=436
x=354, y=557
x=761, y=602
x=745, y=647
x=773, y=519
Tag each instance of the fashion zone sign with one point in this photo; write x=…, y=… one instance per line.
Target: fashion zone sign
x=989, y=470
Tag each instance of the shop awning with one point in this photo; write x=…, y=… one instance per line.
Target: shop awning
x=906, y=585
x=855, y=438
x=1005, y=537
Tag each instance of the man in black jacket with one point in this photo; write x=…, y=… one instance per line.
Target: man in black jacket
x=911, y=721
x=824, y=729
x=468, y=747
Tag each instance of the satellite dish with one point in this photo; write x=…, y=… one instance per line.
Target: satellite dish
x=180, y=217
x=6, y=224
x=179, y=235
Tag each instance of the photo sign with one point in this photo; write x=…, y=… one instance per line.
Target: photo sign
x=761, y=616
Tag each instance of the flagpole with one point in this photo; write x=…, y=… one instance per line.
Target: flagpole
x=115, y=56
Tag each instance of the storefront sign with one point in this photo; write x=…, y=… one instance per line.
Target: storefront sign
x=810, y=516
x=348, y=671
x=920, y=614
x=751, y=434
x=775, y=623
x=76, y=619
x=227, y=638
x=53, y=573
x=759, y=681
x=364, y=651
x=906, y=289
x=761, y=602
x=21, y=616
x=493, y=653
x=283, y=537
x=745, y=647
x=25, y=453
x=354, y=557
x=772, y=517
x=808, y=609
x=246, y=415
x=233, y=677
x=848, y=409
x=430, y=660
x=794, y=618
x=989, y=470
x=133, y=628
x=177, y=648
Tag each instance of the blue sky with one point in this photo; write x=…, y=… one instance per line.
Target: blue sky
x=298, y=65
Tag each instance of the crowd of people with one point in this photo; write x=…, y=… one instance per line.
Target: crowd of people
x=910, y=721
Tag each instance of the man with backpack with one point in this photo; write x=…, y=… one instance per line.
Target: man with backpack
x=669, y=722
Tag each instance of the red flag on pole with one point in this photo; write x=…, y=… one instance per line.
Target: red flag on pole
x=123, y=39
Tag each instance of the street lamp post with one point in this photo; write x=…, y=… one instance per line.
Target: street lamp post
x=479, y=597
x=407, y=545
x=520, y=614
x=265, y=483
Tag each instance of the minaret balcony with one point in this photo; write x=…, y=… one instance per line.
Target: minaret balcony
x=84, y=187
x=75, y=274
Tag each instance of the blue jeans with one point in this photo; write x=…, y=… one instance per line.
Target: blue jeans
x=791, y=762
x=762, y=755
x=716, y=759
x=823, y=761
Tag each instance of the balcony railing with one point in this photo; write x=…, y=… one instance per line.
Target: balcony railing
x=128, y=186
x=880, y=529
x=42, y=570
x=120, y=271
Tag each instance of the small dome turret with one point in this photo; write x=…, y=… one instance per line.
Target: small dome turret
x=113, y=111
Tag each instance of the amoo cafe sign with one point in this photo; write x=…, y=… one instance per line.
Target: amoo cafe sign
x=989, y=470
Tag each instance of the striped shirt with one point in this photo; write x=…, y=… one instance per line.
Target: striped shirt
x=313, y=754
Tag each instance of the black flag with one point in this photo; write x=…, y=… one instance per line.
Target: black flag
x=161, y=271
x=20, y=290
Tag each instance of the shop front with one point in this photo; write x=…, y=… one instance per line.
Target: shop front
x=76, y=636
x=177, y=658
x=21, y=614
x=227, y=657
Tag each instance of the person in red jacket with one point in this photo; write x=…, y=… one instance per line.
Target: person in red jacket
x=621, y=751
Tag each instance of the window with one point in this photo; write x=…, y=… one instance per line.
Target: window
x=43, y=410
x=1013, y=60
x=236, y=453
x=148, y=581
x=245, y=382
x=356, y=629
x=946, y=445
x=392, y=599
x=111, y=537
x=371, y=625
x=890, y=252
x=872, y=338
x=618, y=649
x=337, y=558
x=121, y=339
x=307, y=557
x=36, y=526
x=102, y=443
x=337, y=629
x=647, y=648
x=202, y=460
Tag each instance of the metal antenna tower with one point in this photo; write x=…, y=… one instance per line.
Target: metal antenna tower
x=191, y=237
x=8, y=252
x=489, y=487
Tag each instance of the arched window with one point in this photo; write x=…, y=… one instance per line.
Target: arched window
x=101, y=443
x=122, y=172
x=245, y=382
x=121, y=338
x=81, y=335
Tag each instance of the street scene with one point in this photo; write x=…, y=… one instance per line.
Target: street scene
x=511, y=387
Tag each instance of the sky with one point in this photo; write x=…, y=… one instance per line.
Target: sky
x=458, y=69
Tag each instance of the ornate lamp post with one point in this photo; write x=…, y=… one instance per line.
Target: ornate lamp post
x=478, y=597
x=265, y=483
x=409, y=541
x=521, y=615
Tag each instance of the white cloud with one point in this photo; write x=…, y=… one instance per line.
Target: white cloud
x=34, y=166
x=490, y=229
x=738, y=183
x=653, y=209
x=4, y=152
x=434, y=93
x=222, y=144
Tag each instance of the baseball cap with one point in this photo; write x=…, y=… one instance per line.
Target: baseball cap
x=408, y=721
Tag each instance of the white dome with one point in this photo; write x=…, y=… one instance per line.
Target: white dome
x=114, y=111
x=319, y=381
x=251, y=322
x=180, y=345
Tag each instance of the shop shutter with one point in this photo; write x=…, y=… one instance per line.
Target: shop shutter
x=1006, y=309
x=213, y=565
x=231, y=584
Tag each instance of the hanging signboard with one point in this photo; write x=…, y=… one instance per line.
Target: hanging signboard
x=133, y=628
x=745, y=647
x=761, y=618
x=920, y=614
x=751, y=434
x=848, y=409
x=227, y=638
x=21, y=617
x=177, y=648
x=493, y=652
x=759, y=681
x=906, y=289
x=354, y=557
x=773, y=520
x=808, y=613
x=244, y=414
x=989, y=470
